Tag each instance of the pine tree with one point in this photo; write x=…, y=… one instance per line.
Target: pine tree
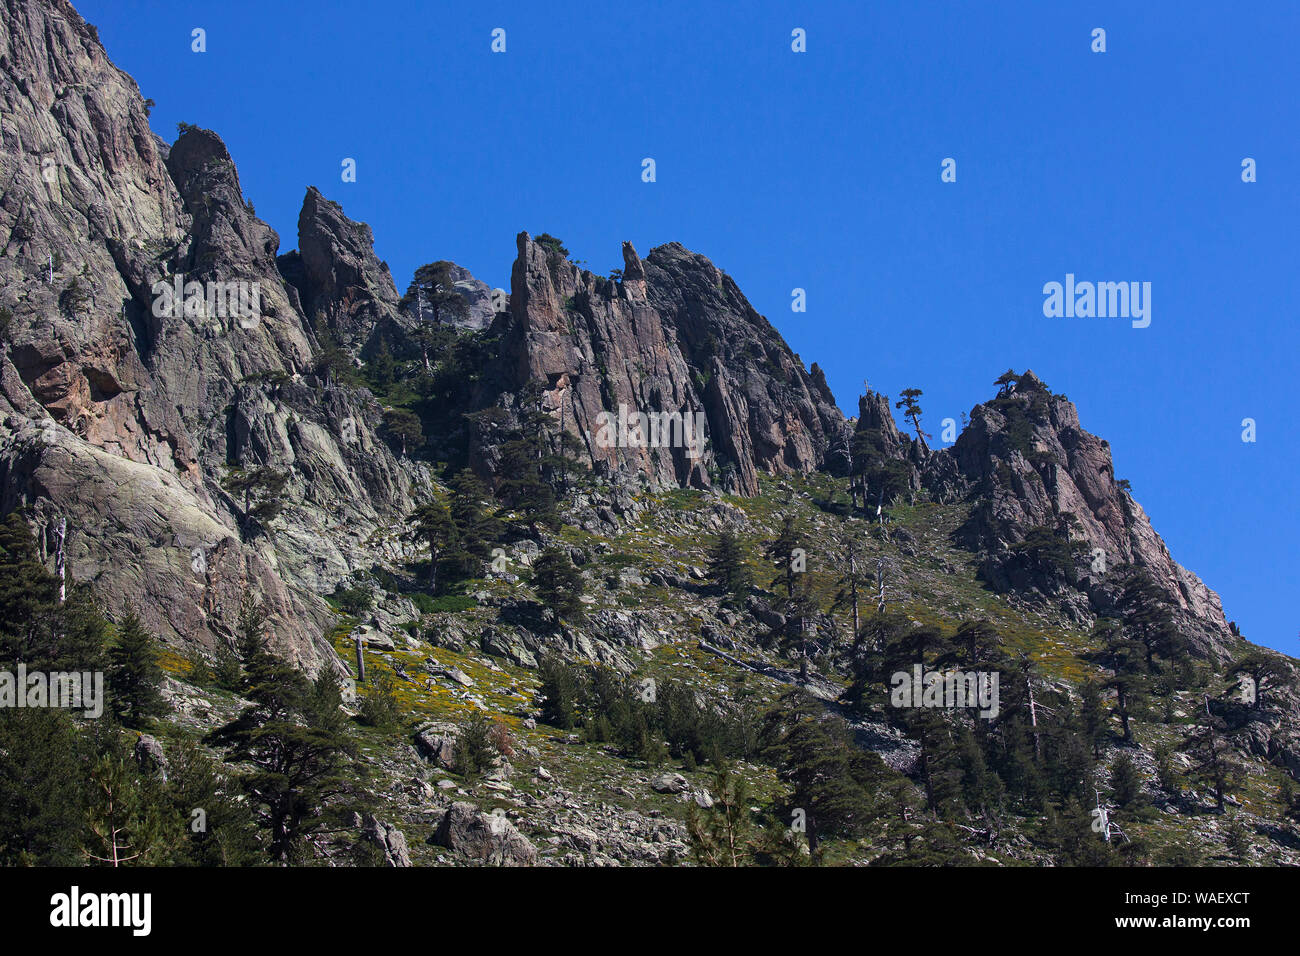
x=1166, y=773
x=1214, y=764
x=1148, y=620
x=535, y=460
x=725, y=834
x=727, y=568
x=260, y=490
x=1126, y=658
x=477, y=528
x=227, y=671
x=975, y=644
x=218, y=830
x=42, y=790
x=404, y=427
x=1125, y=782
x=923, y=645
x=939, y=763
x=558, y=583
x=982, y=790
x=524, y=491
x=250, y=630
x=1068, y=829
x=1266, y=669
x=1007, y=382
x=134, y=676
x=561, y=691
x=871, y=665
x=788, y=551
x=848, y=587
x=800, y=610
x=332, y=364
x=36, y=628
x=127, y=819
x=27, y=591
x=200, y=673
x=831, y=779
x=433, y=290
x=1092, y=715
x=431, y=524
x=304, y=762
x=1067, y=759
x=1289, y=798
x=912, y=411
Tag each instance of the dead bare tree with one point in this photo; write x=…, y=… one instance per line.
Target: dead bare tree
x=853, y=587
x=60, y=557
x=1103, y=817
x=848, y=593
x=1026, y=671
x=845, y=445
x=883, y=565
x=881, y=517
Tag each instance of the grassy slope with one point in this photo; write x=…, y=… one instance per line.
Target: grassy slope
x=936, y=585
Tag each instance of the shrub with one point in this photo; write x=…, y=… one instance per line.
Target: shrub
x=379, y=706
x=447, y=603
x=354, y=600
x=500, y=738
x=474, y=749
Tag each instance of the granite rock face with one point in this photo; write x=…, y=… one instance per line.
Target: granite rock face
x=1028, y=463
x=674, y=340
x=770, y=413
x=1024, y=463
x=347, y=292
x=124, y=412
x=128, y=414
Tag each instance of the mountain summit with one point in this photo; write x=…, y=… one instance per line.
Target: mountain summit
x=516, y=505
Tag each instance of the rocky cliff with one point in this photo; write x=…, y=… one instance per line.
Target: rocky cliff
x=213, y=419
x=1028, y=463
x=673, y=335
x=99, y=215
x=126, y=416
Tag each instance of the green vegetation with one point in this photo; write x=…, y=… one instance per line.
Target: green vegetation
x=134, y=676
x=558, y=583
x=727, y=568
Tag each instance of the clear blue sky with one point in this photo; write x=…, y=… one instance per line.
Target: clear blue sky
x=821, y=170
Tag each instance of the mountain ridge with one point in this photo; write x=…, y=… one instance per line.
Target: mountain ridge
x=674, y=334
x=297, y=457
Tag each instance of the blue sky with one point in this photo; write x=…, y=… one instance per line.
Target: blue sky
x=821, y=170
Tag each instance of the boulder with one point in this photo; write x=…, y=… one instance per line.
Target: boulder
x=390, y=840
x=668, y=783
x=436, y=743
x=486, y=838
